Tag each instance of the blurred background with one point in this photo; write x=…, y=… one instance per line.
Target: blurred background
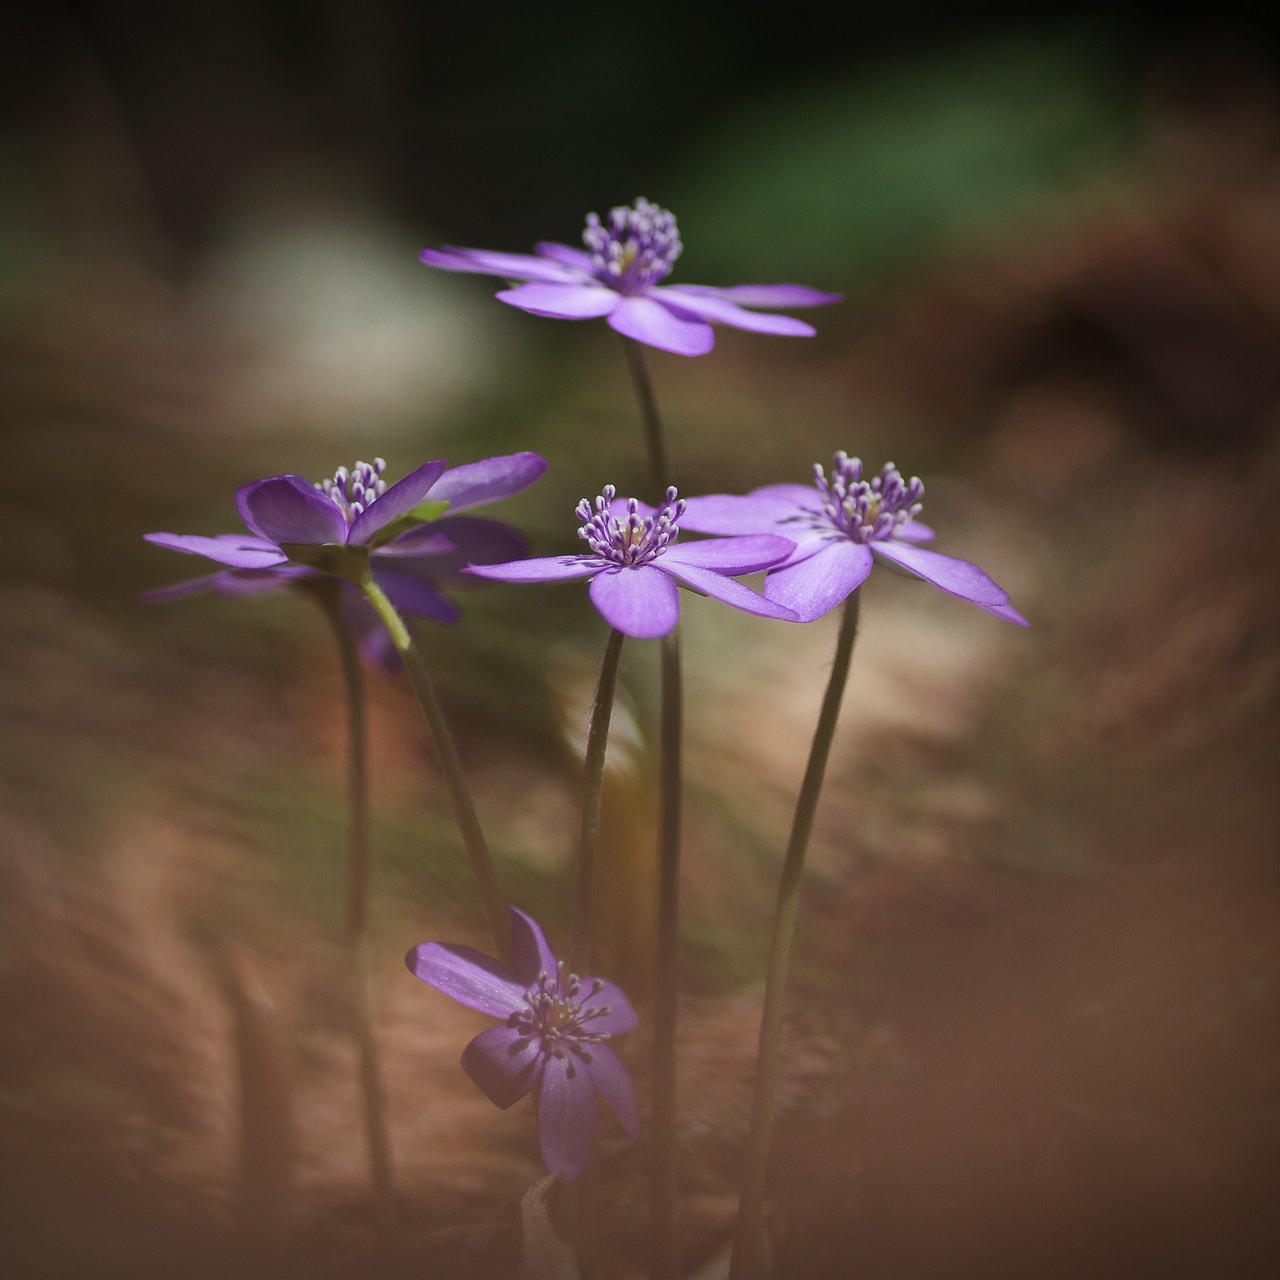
x=1034, y=1026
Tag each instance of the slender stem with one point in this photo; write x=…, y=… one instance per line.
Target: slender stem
x=581, y=958
x=746, y=1260
x=649, y=416
x=372, y=1091
x=447, y=753
x=665, y=1260
x=663, y=1214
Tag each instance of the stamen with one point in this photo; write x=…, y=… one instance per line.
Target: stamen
x=631, y=539
x=634, y=248
x=352, y=491
x=866, y=510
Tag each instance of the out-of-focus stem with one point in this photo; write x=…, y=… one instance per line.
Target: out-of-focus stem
x=747, y=1244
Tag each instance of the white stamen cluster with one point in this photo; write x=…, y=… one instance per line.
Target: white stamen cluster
x=632, y=539
x=867, y=510
x=352, y=491
x=635, y=247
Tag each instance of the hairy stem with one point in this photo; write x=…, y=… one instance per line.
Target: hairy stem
x=746, y=1262
x=455, y=779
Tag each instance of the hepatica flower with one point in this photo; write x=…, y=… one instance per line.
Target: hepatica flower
x=841, y=525
x=633, y=563
x=619, y=275
x=551, y=1040
x=297, y=530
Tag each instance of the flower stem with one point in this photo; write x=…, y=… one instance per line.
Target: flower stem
x=580, y=952
x=447, y=753
x=665, y=1260
x=746, y=1260
x=663, y=1215
x=372, y=1091
x=649, y=416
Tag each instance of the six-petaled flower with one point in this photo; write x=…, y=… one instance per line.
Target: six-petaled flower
x=551, y=1040
x=840, y=525
x=634, y=564
x=619, y=276
x=288, y=518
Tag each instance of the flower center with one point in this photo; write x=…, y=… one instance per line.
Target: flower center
x=557, y=1011
x=631, y=539
x=866, y=510
x=634, y=248
x=352, y=491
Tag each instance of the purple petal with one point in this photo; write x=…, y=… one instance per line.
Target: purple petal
x=399, y=500
x=574, y=301
x=540, y=569
x=613, y=1083
x=815, y=585
x=475, y=483
x=418, y=596
x=758, y=512
x=731, y=555
x=767, y=295
x=566, y=255
x=621, y=1017
x=955, y=577
x=914, y=531
x=512, y=266
x=719, y=310
x=1006, y=613
x=727, y=590
x=640, y=601
x=237, y=583
x=566, y=1116
x=227, y=548
x=503, y=1063
x=648, y=321
x=467, y=976
x=289, y=509
x=445, y=547
x=530, y=951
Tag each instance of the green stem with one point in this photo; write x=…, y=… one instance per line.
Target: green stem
x=664, y=1218
x=746, y=1262
x=372, y=1091
x=447, y=753
x=580, y=951
x=663, y=1208
x=649, y=416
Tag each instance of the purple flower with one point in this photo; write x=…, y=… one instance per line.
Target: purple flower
x=551, y=1039
x=634, y=565
x=840, y=526
x=293, y=525
x=619, y=276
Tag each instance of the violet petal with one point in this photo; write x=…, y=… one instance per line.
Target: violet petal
x=511, y=266
x=621, y=1017
x=540, y=569
x=768, y=295
x=815, y=585
x=233, y=549
x=719, y=310
x=765, y=510
x=579, y=300
x=648, y=321
x=467, y=976
x=613, y=1083
x=529, y=948
x=475, y=483
x=641, y=601
x=955, y=577
x=289, y=509
x=566, y=255
x=716, y=585
x=747, y=554
x=397, y=501
x=503, y=1063
x=566, y=1116
x=418, y=596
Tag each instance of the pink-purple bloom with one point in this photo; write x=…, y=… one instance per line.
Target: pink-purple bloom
x=619, y=275
x=634, y=564
x=551, y=1039
x=414, y=548
x=841, y=525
